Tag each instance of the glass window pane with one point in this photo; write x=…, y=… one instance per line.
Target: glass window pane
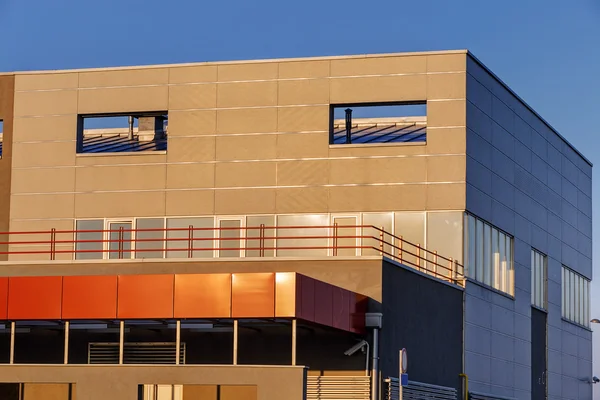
x=230, y=238
x=190, y=237
x=563, y=290
x=533, y=278
x=487, y=254
x=411, y=227
x=502, y=253
x=254, y=244
x=301, y=239
x=149, y=243
x=91, y=250
x=472, y=245
x=572, y=296
x=443, y=236
x=510, y=267
x=479, y=266
x=496, y=259
x=120, y=240
x=344, y=241
x=381, y=221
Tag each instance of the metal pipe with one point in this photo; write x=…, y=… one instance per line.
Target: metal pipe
x=368, y=353
x=466, y=390
x=177, y=342
x=12, y=342
x=348, y=125
x=294, y=332
x=121, y=340
x=235, y=341
x=66, y=356
x=375, y=366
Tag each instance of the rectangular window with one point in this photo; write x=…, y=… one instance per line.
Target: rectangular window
x=303, y=235
x=119, y=239
x=122, y=132
x=190, y=237
x=259, y=236
x=379, y=123
x=539, y=279
x=488, y=254
x=149, y=237
x=89, y=239
x=575, y=297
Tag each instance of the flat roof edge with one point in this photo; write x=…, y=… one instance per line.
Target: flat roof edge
x=489, y=71
x=232, y=62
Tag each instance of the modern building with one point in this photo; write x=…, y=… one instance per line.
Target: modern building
x=282, y=229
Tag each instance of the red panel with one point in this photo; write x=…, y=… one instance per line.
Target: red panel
x=323, y=303
x=306, y=301
x=253, y=295
x=341, y=309
x=34, y=297
x=202, y=296
x=145, y=296
x=3, y=298
x=89, y=297
x=358, y=308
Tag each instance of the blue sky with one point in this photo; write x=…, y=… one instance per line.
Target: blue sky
x=547, y=51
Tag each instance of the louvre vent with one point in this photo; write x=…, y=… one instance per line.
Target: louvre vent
x=135, y=353
x=338, y=387
x=417, y=391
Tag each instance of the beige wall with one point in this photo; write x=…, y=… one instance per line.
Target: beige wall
x=256, y=131
x=7, y=84
x=121, y=382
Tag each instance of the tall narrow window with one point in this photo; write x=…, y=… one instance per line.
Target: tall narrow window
x=539, y=279
x=89, y=239
x=575, y=297
x=488, y=255
x=119, y=239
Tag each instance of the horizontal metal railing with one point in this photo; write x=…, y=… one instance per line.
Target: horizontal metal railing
x=417, y=391
x=338, y=387
x=249, y=241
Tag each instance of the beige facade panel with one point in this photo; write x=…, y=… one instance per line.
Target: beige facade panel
x=301, y=119
x=184, y=97
x=250, y=147
x=197, y=122
x=303, y=145
x=190, y=202
x=303, y=91
x=120, y=204
x=112, y=159
x=378, y=170
x=247, y=72
x=449, y=113
x=245, y=174
x=446, y=196
x=191, y=149
x=193, y=74
x=45, y=103
x=247, y=94
x=63, y=127
x=302, y=200
x=379, y=66
x=188, y=176
x=395, y=150
x=42, y=206
x=377, y=198
x=446, y=168
x=303, y=172
x=130, y=177
x=43, y=180
x=46, y=81
x=43, y=225
x=244, y=201
x=304, y=69
x=128, y=77
x=145, y=98
x=247, y=120
x=379, y=88
x=446, y=141
x=447, y=86
x=43, y=154
x=447, y=62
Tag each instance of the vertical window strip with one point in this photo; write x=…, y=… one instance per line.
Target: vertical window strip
x=539, y=282
x=575, y=297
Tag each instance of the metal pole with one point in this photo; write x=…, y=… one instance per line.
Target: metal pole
x=121, y=340
x=12, y=342
x=294, y=332
x=235, y=341
x=66, y=359
x=375, y=365
x=178, y=342
x=348, y=125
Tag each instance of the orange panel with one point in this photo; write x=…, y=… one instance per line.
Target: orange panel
x=3, y=298
x=306, y=302
x=202, y=296
x=341, y=309
x=323, y=303
x=285, y=294
x=89, y=297
x=34, y=297
x=253, y=295
x=145, y=296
